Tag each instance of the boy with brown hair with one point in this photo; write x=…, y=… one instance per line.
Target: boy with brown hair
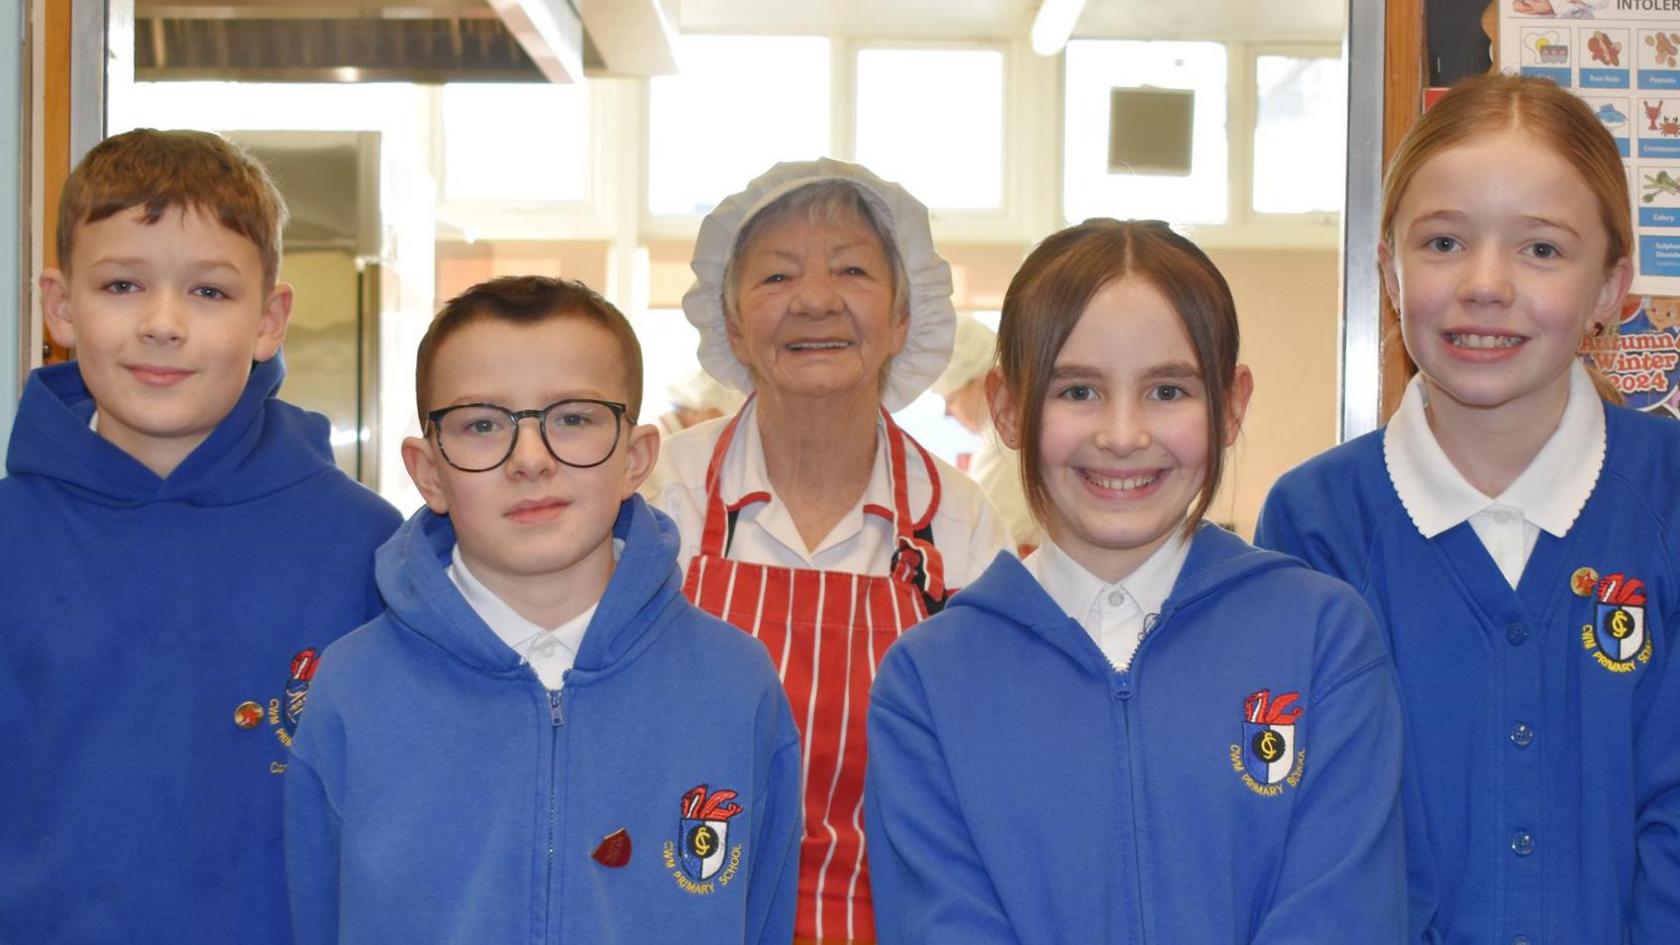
x=175, y=547
x=540, y=739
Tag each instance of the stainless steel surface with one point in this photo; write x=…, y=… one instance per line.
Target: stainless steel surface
x=1361, y=353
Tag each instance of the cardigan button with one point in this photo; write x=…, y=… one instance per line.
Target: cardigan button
x=1522, y=735
x=1522, y=940
x=1516, y=633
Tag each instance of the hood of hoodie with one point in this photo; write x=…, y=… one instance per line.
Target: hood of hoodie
x=413, y=577
x=1217, y=559
x=262, y=446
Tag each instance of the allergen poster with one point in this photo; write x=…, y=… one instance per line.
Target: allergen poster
x=1622, y=57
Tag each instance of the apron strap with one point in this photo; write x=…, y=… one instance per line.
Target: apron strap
x=915, y=559
x=719, y=531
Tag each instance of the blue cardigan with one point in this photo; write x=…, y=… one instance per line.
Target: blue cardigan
x=1238, y=783
x=156, y=641
x=1543, y=795
x=440, y=794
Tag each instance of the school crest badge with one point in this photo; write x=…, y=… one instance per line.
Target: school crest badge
x=702, y=859
x=283, y=712
x=1268, y=758
x=1617, y=637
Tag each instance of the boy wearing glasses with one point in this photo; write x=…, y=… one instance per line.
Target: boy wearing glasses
x=540, y=739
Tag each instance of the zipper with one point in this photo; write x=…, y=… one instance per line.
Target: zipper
x=1124, y=690
x=557, y=721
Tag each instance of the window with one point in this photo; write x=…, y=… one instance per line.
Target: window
x=669, y=344
x=525, y=142
x=1300, y=134
x=741, y=104
x=932, y=120
x=1094, y=69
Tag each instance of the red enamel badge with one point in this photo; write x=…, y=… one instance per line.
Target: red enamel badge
x=614, y=849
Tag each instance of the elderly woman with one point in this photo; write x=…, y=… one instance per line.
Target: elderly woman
x=809, y=519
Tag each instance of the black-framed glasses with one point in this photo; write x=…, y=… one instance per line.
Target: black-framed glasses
x=480, y=437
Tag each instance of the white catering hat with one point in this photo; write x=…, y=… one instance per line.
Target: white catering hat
x=971, y=356
x=932, y=319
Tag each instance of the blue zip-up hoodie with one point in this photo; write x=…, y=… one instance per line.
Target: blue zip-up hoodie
x=440, y=794
x=154, y=652
x=1239, y=783
x=1543, y=791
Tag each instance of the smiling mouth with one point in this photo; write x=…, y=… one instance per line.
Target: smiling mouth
x=1121, y=484
x=818, y=345
x=1483, y=342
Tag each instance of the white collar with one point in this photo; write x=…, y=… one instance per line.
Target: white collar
x=745, y=465
x=1075, y=589
x=517, y=632
x=1549, y=493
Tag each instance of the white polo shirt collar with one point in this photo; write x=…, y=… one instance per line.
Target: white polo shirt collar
x=1550, y=493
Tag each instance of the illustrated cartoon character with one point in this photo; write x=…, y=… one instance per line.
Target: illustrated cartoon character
x=1662, y=313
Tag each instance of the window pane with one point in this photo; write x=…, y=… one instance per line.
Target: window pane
x=669, y=344
x=741, y=104
x=932, y=120
x=1300, y=135
x=526, y=142
x=1094, y=69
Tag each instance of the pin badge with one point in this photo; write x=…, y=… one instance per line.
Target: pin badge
x=614, y=849
x=1583, y=581
x=248, y=715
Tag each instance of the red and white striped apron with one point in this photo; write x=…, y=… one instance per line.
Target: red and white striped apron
x=826, y=632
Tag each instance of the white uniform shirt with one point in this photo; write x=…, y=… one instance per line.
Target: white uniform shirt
x=549, y=650
x=966, y=529
x=1117, y=615
x=997, y=469
x=1548, y=495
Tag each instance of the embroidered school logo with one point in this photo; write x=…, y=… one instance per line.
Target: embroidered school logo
x=1616, y=638
x=284, y=712
x=701, y=850
x=1267, y=757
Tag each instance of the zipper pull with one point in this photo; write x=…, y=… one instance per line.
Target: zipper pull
x=555, y=714
x=1122, y=687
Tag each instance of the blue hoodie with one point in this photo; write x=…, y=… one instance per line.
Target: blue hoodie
x=440, y=794
x=154, y=650
x=1543, y=797
x=1238, y=783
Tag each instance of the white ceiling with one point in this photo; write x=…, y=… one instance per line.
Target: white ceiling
x=1304, y=20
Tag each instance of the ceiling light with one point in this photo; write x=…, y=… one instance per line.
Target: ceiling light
x=1054, y=24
